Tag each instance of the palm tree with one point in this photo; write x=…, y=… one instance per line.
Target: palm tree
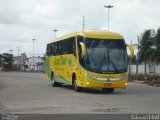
x=146, y=42
x=156, y=53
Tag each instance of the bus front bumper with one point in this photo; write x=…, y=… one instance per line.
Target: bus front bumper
x=90, y=83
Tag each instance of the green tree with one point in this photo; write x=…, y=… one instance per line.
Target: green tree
x=7, y=60
x=156, y=53
x=146, y=42
x=0, y=60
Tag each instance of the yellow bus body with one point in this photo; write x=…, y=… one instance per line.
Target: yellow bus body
x=64, y=66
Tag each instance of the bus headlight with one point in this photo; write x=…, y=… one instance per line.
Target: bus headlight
x=126, y=84
x=87, y=83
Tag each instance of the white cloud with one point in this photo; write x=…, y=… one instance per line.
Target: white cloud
x=23, y=20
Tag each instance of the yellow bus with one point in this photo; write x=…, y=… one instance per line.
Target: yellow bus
x=88, y=59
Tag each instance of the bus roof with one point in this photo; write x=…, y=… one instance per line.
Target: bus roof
x=103, y=34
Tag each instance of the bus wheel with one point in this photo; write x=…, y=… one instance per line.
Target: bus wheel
x=76, y=88
x=109, y=90
x=54, y=83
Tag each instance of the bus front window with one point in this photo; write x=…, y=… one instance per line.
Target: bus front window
x=105, y=56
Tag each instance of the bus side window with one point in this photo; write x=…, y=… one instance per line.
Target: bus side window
x=74, y=47
x=60, y=47
x=48, y=50
x=56, y=48
x=71, y=47
x=64, y=46
x=51, y=49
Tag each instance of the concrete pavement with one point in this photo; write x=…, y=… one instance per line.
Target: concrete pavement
x=31, y=93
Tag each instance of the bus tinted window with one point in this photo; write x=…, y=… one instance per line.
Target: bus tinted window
x=63, y=47
x=48, y=51
x=70, y=45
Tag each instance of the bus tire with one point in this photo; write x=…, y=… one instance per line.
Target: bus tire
x=109, y=90
x=54, y=83
x=76, y=87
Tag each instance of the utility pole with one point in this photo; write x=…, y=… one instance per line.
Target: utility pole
x=131, y=58
x=137, y=57
x=55, y=33
x=108, y=6
x=10, y=52
x=18, y=50
x=18, y=58
x=83, y=22
x=33, y=54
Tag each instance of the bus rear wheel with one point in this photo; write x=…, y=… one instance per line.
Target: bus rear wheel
x=54, y=83
x=109, y=90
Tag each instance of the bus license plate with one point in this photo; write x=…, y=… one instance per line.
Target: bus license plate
x=108, y=84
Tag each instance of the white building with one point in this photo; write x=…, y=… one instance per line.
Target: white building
x=34, y=64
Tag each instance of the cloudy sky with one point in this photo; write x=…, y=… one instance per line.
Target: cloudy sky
x=24, y=20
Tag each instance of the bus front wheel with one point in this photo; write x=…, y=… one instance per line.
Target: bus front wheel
x=76, y=87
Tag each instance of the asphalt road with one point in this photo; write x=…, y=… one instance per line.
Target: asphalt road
x=31, y=93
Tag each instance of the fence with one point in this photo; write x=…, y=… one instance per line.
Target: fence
x=141, y=69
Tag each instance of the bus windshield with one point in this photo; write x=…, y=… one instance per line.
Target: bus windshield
x=105, y=56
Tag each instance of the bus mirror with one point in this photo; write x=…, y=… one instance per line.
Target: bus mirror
x=131, y=50
x=83, y=48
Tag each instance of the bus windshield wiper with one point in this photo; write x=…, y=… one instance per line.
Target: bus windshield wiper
x=114, y=66
x=112, y=63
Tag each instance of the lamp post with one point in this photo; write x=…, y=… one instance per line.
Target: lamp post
x=33, y=54
x=38, y=64
x=108, y=6
x=18, y=58
x=55, y=33
x=10, y=51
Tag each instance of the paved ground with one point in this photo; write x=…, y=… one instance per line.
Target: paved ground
x=31, y=93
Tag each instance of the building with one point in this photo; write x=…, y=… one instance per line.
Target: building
x=19, y=62
x=34, y=64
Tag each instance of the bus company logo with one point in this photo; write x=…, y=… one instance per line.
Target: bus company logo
x=60, y=61
x=108, y=79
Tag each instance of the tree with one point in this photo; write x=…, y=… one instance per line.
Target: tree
x=7, y=60
x=0, y=59
x=146, y=43
x=156, y=53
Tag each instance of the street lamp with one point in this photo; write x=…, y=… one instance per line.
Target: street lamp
x=10, y=51
x=18, y=58
x=33, y=54
x=55, y=32
x=108, y=6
